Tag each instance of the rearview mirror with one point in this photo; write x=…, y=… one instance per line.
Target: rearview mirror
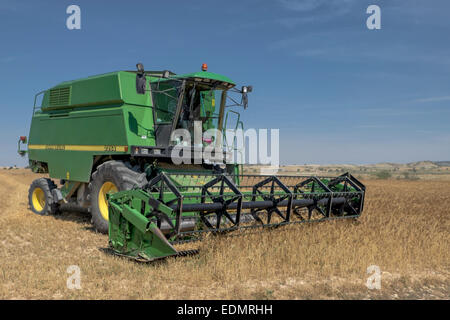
x=140, y=79
x=140, y=67
x=246, y=89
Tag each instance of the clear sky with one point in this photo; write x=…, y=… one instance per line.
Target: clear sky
x=338, y=92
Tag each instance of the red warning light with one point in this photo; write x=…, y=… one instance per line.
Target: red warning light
x=204, y=67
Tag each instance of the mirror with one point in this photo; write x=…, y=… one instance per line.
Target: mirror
x=140, y=67
x=244, y=91
x=140, y=79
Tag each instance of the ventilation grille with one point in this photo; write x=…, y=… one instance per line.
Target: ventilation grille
x=60, y=97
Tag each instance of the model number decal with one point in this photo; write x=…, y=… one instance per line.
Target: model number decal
x=55, y=147
x=110, y=148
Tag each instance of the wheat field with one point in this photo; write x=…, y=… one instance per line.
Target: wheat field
x=404, y=230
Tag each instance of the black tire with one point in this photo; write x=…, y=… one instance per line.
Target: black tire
x=40, y=197
x=123, y=178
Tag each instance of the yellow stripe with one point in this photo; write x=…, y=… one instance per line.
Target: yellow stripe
x=76, y=147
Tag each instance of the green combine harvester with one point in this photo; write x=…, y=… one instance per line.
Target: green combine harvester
x=109, y=141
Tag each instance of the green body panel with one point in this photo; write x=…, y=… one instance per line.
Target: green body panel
x=103, y=111
x=104, y=89
x=139, y=126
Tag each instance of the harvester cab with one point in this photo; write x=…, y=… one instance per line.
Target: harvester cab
x=109, y=141
x=186, y=101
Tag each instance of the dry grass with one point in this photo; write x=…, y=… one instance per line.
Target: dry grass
x=404, y=230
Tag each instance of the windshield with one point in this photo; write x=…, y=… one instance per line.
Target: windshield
x=199, y=103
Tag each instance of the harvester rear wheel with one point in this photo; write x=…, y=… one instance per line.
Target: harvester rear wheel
x=40, y=197
x=111, y=176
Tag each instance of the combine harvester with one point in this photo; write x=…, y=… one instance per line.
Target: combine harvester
x=109, y=140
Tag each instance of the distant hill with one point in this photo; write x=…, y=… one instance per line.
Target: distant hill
x=411, y=171
x=442, y=163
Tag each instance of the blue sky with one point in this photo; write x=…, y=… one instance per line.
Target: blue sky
x=338, y=92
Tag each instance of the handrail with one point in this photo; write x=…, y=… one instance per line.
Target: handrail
x=35, y=98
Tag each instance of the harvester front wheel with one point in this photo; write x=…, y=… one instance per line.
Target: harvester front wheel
x=40, y=197
x=110, y=177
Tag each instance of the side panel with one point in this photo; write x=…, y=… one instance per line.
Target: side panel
x=85, y=92
x=139, y=124
x=69, y=142
x=128, y=90
x=137, y=111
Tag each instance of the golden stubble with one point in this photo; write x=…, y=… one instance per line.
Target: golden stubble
x=404, y=230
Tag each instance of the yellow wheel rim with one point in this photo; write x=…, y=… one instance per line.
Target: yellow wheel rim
x=102, y=202
x=38, y=199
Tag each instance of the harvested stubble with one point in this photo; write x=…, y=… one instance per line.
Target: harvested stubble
x=404, y=230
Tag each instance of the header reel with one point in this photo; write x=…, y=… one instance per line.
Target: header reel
x=177, y=208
